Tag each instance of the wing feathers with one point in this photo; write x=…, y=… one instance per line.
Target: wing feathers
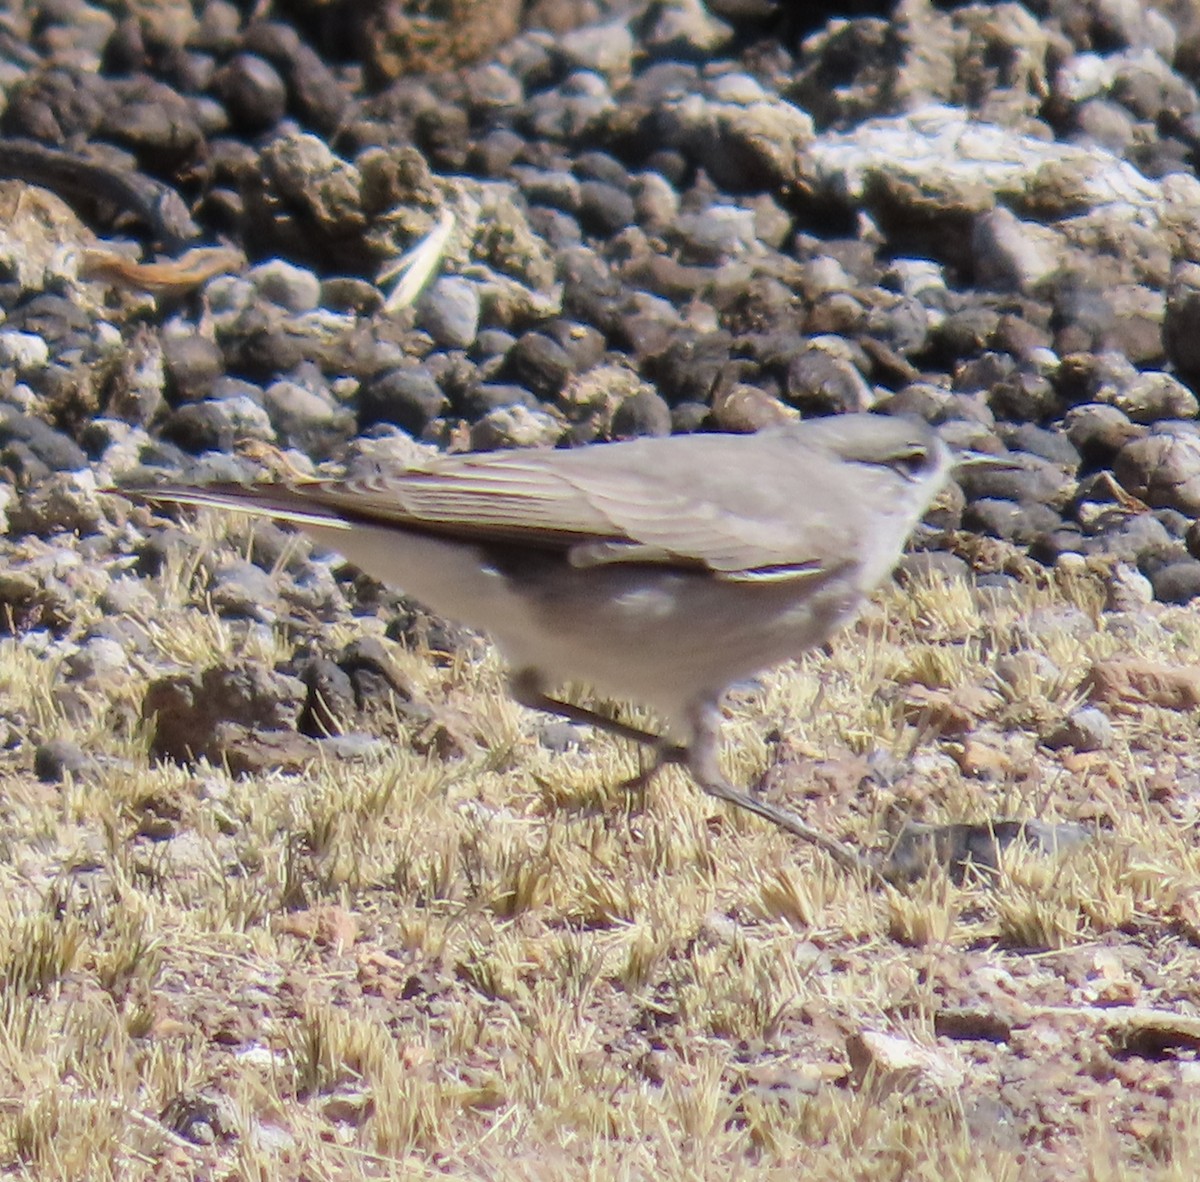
x=596, y=512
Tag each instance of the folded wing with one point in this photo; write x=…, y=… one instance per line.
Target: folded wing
x=597, y=514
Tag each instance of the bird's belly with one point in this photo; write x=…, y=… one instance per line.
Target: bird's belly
x=659, y=637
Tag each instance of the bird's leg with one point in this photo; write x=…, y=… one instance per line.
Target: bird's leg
x=701, y=762
x=665, y=753
x=526, y=689
x=699, y=757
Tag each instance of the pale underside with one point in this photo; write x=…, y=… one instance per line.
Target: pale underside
x=657, y=570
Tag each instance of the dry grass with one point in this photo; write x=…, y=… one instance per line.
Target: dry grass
x=504, y=967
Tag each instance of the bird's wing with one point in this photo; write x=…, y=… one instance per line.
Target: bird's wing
x=596, y=514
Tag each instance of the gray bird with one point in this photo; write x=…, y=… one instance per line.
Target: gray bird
x=659, y=570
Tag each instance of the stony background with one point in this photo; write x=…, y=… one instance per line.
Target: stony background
x=674, y=217
x=668, y=216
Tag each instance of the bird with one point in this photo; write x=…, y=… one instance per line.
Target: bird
x=660, y=570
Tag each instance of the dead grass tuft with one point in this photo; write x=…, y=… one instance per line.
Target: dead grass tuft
x=508, y=966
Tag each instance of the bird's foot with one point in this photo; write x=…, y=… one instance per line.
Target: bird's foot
x=701, y=762
x=666, y=754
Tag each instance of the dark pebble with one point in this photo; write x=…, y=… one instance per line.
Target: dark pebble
x=305, y=415
x=921, y=400
x=483, y=399
x=604, y=209
x=1131, y=537
x=1024, y=397
x=583, y=345
x=1034, y=480
x=161, y=547
x=925, y=564
x=443, y=135
x=489, y=91
x=373, y=674
x=1021, y=337
x=818, y=382
x=493, y=155
x=983, y=373
x=646, y=334
x=186, y=710
x=271, y=547
x=453, y=371
x=1098, y=432
x=1047, y=548
x=242, y=590
x=671, y=164
x=560, y=737
x=49, y=447
x=1152, y=95
x=554, y=188
x=315, y=95
x=211, y=425
x=1083, y=317
x=264, y=354
x=689, y=417
x=329, y=706
x=414, y=627
x=491, y=344
x=49, y=316
x=1017, y=523
x=1181, y=324
x=58, y=759
x=539, y=363
x=560, y=230
x=1047, y=444
x=253, y=93
x=152, y=121
x=1175, y=523
x=408, y=397
x=667, y=81
x=643, y=413
x=691, y=365
x=1178, y=582
x=55, y=105
x=125, y=51
x=591, y=292
x=899, y=331
x=21, y=465
x=345, y=293
x=668, y=277
x=1085, y=729
x=223, y=209
x=192, y=364
x=600, y=166
x=964, y=333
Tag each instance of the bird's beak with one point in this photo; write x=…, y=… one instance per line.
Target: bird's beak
x=979, y=460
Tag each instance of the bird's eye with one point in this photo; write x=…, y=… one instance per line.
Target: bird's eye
x=910, y=464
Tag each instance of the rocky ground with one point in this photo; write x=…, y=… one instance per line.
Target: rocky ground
x=291, y=889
